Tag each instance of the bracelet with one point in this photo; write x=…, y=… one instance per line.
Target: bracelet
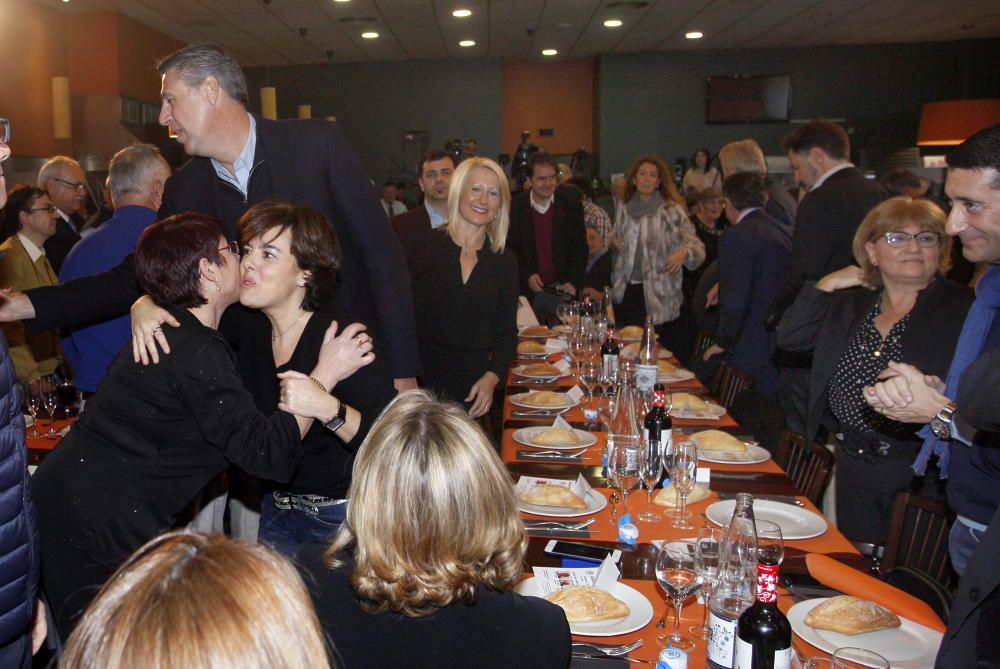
x=319, y=385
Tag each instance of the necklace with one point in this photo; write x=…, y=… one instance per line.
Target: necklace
x=274, y=337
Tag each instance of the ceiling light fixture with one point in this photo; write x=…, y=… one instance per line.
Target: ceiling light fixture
x=694, y=34
x=549, y=52
x=370, y=35
x=613, y=23
x=467, y=42
x=461, y=13
x=341, y=0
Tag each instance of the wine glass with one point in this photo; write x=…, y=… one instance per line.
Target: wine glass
x=562, y=312
x=67, y=396
x=33, y=402
x=50, y=400
x=623, y=465
x=608, y=400
x=770, y=543
x=676, y=574
x=843, y=657
x=685, y=463
x=706, y=563
x=590, y=374
x=650, y=469
x=577, y=348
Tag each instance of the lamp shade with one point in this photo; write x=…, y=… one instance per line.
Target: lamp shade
x=951, y=122
x=61, y=112
x=269, y=102
x=305, y=111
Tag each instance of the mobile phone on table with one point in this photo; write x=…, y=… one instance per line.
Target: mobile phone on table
x=577, y=551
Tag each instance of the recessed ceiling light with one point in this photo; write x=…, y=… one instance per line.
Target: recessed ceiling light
x=370, y=35
x=613, y=23
x=461, y=13
x=549, y=52
x=467, y=42
x=694, y=34
x=341, y=0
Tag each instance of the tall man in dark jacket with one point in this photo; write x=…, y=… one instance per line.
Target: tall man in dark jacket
x=238, y=160
x=548, y=236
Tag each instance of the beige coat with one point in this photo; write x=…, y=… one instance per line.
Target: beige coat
x=34, y=355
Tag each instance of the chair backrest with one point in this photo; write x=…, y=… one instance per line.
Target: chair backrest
x=809, y=466
x=730, y=382
x=918, y=537
x=702, y=341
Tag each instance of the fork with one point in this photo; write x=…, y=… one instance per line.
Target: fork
x=554, y=523
x=555, y=454
x=612, y=650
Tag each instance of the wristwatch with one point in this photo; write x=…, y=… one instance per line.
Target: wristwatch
x=941, y=423
x=337, y=421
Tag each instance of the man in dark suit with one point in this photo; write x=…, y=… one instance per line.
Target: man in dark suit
x=66, y=184
x=548, y=236
x=839, y=198
x=753, y=262
x=435, y=176
x=238, y=160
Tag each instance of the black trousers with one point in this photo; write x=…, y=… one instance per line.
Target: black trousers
x=674, y=335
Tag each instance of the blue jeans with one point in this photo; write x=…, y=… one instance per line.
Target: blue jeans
x=286, y=530
x=962, y=543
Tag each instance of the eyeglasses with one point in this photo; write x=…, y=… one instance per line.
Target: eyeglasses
x=4, y=131
x=51, y=209
x=900, y=240
x=232, y=247
x=75, y=185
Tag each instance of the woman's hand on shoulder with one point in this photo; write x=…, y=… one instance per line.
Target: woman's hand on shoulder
x=147, y=330
x=343, y=354
x=847, y=277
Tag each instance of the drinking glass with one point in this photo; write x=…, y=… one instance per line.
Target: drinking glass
x=67, y=396
x=577, y=348
x=676, y=574
x=608, y=400
x=842, y=658
x=50, y=400
x=590, y=374
x=33, y=402
x=706, y=563
x=667, y=457
x=770, y=543
x=650, y=469
x=623, y=465
x=562, y=312
x=685, y=463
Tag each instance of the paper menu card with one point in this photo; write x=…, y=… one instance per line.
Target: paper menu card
x=551, y=579
x=561, y=422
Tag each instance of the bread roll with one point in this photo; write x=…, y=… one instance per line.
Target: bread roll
x=667, y=367
x=717, y=440
x=851, y=615
x=543, y=369
x=530, y=347
x=631, y=351
x=536, y=331
x=667, y=496
x=543, y=398
x=631, y=332
x=585, y=604
x=556, y=436
x=690, y=403
x=546, y=494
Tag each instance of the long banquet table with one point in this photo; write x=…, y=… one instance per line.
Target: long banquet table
x=638, y=561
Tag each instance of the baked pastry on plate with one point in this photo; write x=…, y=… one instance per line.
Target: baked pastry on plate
x=851, y=615
x=530, y=347
x=555, y=436
x=543, y=369
x=717, y=440
x=689, y=402
x=667, y=496
x=546, y=494
x=587, y=604
x=667, y=367
x=543, y=398
x=630, y=332
x=536, y=331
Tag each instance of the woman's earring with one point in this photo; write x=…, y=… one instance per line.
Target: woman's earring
x=217, y=287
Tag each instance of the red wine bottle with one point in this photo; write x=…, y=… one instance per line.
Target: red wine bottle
x=609, y=353
x=658, y=424
x=764, y=636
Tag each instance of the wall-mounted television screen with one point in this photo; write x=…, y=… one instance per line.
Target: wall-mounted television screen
x=747, y=99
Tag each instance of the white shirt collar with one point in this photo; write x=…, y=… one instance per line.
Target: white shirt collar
x=34, y=252
x=541, y=208
x=826, y=175
x=437, y=219
x=744, y=214
x=243, y=165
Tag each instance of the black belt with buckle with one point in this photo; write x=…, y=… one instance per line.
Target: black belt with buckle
x=309, y=503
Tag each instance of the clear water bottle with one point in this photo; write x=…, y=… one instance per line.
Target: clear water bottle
x=734, y=592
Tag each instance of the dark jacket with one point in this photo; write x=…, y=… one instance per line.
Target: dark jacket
x=411, y=224
x=569, y=240
x=18, y=535
x=825, y=323
x=305, y=161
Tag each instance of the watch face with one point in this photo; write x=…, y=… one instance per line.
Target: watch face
x=940, y=428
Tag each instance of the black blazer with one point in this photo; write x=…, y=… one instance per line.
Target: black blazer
x=825, y=323
x=825, y=224
x=58, y=246
x=410, y=224
x=306, y=161
x=569, y=240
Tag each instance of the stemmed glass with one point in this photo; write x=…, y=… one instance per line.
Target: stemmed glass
x=685, y=462
x=843, y=657
x=562, y=312
x=608, y=400
x=33, y=402
x=650, y=469
x=590, y=374
x=706, y=563
x=50, y=399
x=770, y=543
x=623, y=466
x=577, y=347
x=677, y=575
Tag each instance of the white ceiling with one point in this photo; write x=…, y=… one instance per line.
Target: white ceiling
x=268, y=33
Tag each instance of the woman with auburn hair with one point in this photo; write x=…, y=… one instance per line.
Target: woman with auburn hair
x=656, y=241
x=465, y=287
x=895, y=307
x=188, y=600
x=431, y=548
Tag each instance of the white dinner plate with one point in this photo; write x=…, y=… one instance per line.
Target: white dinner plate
x=567, y=403
x=714, y=412
x=595, y=502
x=534, y=356
x=562, y=329
x=753, y=455
x=909, y=646
x=676, y=377
x=519, y=371
x=640, y=611
x=795, y=522
x=525, y=434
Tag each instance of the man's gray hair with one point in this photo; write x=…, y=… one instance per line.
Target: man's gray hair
x=194, y=63
x=742, y=156
x=54, y=168
x=131, y=170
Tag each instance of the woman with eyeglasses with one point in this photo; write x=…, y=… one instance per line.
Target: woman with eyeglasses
x=896, y=306
x=29, y=220
x=152, y=437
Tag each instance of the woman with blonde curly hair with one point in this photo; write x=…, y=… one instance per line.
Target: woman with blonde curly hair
x=421, y=572
x=188, y=600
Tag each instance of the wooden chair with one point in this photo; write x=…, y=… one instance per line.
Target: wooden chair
x=809, y=467
x=916, y=551
x=730, y=382
x=702, y=341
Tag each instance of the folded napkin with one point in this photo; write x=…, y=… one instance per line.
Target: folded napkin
x=850, y=581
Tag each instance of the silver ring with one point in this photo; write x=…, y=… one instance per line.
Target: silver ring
x=157, y=329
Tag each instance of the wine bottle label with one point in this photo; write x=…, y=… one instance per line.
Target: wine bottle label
x=720, y=645
x=645, y=377
x=744, y=656
x=767, y=583
x=609, y=364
